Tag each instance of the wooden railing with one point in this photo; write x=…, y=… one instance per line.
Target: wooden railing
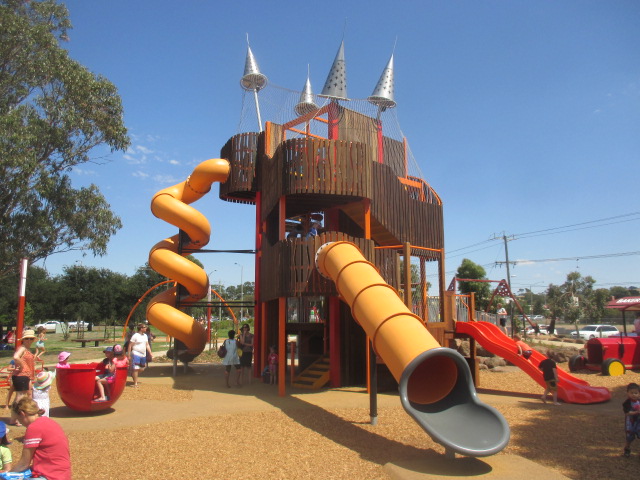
x=289, y=270
x=317, y=166
x=404, y=214
x=242, y=153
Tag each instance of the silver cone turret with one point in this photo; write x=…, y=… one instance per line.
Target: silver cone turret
x=252, y=79
x=306, y=104
x=382, y=95
x=336, y=84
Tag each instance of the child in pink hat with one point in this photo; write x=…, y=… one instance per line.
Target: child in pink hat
x=62, y=360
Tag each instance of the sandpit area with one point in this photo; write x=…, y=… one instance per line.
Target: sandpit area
x=192, y=426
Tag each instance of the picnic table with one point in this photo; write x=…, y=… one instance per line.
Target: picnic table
x=96, y=341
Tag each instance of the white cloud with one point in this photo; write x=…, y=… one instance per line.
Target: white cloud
x=174, y=162
x=139, y=174
x=143, y=149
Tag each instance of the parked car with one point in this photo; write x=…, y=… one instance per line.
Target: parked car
x=596, y=331
x=50, y=326
x=81, y=324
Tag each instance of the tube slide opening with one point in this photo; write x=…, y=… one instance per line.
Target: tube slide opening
x=452, y=409
x=432, y=380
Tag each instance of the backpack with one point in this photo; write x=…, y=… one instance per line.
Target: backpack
x=222, y=351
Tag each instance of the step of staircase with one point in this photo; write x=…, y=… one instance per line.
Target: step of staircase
x=315, y=376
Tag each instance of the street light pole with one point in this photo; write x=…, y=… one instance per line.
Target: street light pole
x=241, y=288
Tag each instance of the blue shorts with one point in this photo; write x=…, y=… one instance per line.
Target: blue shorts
x=139, y=362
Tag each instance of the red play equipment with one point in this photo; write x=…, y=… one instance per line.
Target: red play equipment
x=613, y=355
x=77, y=386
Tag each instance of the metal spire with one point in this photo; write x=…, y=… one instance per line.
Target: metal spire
x=253, y=80
x=382, y=95
x=306, y=104
x=336, y=84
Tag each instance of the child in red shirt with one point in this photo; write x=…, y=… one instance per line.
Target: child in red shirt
x=272, y=360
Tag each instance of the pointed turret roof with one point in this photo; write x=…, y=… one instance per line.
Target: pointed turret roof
x=336, y=84
x=252, y=79
x=306, y=103
x=382, y=95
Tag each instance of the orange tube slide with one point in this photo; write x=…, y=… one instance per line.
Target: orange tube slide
x=398, y=335
x=171, y=205
x=434, y=382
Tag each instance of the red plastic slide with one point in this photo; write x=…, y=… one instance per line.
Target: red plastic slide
x=570, y=389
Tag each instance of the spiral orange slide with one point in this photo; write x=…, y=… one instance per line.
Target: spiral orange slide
x=435, y=383
x=172, y=206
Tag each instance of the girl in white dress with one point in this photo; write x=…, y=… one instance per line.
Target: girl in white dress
x=41, y=388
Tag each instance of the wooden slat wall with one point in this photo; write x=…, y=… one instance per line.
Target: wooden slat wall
x=394, y=155
x=356, y=127
x=242, y=153
x=409, y=219
x=288, y=267
x=316, y=166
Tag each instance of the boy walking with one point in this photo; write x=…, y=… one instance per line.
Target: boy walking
x=550, y=376
x=631, y=408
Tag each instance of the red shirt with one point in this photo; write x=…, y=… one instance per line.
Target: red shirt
x=51, y=458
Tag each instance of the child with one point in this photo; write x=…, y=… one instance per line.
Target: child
x=108, y=376
x=5, y=453
x=631, y=408
x=62, y=360
x=523, y=348
x=10, y=369
x=119, y=358
x=272, y=359
x=41, y=388
x=550, y=375
x=42, y=336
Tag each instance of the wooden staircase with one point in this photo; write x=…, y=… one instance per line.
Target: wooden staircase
x=315, y=375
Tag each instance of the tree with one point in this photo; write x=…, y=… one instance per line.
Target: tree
x=469, y=269
x=575, y=299
x=53, y=113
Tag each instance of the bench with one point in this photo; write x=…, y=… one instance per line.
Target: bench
x=96, y=341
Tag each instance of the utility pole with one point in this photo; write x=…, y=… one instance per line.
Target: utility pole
x=506, y=256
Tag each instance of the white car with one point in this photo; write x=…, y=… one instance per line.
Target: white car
x=596, y=331
x=81, y=324
x=50, y=326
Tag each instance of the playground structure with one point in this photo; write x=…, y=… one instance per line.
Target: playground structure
x=331, y=176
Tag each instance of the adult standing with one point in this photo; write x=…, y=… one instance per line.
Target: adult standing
x=23, y=374
x=45, y=444
x=231, y=359
x=138, y=350
x=502, y=317
x=246, y=344
x=551, y=329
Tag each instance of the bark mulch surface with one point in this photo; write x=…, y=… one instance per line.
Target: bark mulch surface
x=194, y=427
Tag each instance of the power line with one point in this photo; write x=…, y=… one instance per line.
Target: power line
x=584, y=223
x=562, y=259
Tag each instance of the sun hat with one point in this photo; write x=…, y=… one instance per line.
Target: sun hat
x=43, y=380
x=62, y=356
x=108, y=349
x=117, y=349
x=28, y=334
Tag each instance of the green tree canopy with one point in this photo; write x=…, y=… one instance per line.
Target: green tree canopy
x=482, y=290
x=53, y=112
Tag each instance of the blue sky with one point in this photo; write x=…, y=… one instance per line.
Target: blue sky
x=524, y=116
